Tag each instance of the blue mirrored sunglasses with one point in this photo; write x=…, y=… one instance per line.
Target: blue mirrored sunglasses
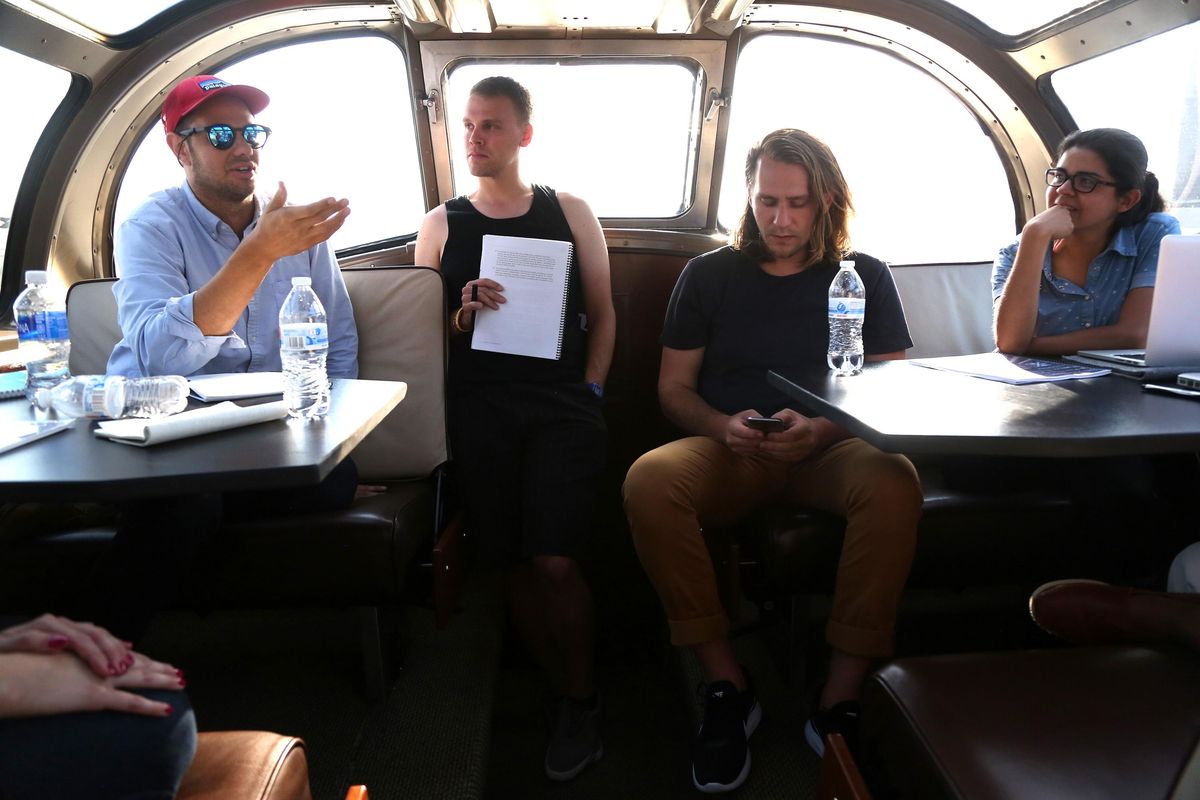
x=222, y=136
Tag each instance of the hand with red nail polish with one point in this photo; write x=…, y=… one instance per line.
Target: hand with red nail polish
x=53, y=665
x=41, y=684
x=104, y=653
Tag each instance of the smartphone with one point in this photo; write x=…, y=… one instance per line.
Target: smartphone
x=767, y=424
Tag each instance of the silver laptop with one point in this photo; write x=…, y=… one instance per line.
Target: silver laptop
x=1173, y=337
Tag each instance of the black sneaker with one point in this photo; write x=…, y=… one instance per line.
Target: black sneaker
x=574, y=737
x=840, y=718
x=720, y=751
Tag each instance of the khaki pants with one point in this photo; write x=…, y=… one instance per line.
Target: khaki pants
x=671, y=492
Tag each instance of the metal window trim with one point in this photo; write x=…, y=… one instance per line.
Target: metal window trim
x=439, y=57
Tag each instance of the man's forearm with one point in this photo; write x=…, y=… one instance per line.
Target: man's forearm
x=688, y=411
x=220, y=302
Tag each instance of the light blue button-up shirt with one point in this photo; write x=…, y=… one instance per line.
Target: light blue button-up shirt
x=168, y=249
x=1129, y=262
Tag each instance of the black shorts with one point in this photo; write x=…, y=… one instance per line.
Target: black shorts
x=529, y=458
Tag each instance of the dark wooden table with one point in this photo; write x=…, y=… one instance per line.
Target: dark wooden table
x=76, y=465
x=903, y=408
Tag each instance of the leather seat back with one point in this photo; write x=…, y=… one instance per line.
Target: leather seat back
x=92, y=319
x=401, y=318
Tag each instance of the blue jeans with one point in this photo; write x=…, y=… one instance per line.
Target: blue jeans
x=99, y=754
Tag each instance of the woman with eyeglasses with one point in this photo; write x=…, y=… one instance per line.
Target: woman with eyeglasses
x=1081, y=274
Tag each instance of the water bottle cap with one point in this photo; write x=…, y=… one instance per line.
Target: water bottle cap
x=846, y=265
x=114, y=397
x=301, y=281
x=36, y=276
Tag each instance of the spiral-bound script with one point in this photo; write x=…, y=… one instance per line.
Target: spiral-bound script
x=535, y=275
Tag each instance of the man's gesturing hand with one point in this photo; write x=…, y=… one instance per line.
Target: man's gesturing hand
x=284, y=230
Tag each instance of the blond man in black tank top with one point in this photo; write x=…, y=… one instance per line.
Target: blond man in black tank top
x=528, y=434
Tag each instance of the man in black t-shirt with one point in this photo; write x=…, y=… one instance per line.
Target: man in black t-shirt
x=735, y=313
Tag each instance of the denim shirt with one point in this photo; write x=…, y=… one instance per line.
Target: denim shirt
x=168, y=249
x=1129, y=262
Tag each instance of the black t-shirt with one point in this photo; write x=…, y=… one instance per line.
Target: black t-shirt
x=460, y=263
x=750, y=322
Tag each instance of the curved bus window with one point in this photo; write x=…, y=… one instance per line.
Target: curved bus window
x=344, y=132
x=620, y=135
x=110, y=18
x=1152, y=90
x=37, y=94
x=927, y=183
x=1017, y=18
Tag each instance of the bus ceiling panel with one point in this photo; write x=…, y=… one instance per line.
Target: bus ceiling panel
x=108, y=19
x=54, y=40
x=1095, y=35
x=573, y=17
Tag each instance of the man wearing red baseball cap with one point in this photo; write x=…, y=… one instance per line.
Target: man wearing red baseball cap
x=202, y=264
x=204, y=268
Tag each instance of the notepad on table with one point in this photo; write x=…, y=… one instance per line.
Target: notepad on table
x=1010, y=369
x=15, y=434
x=223, y=416
x=12, y=384
x=235, y=385
x=534, y=274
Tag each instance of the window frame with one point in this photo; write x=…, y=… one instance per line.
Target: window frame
x=438, y=59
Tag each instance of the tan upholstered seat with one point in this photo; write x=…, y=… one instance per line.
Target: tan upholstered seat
x=247, y=765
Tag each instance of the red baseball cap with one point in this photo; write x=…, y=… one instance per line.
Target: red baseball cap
x=189, y=93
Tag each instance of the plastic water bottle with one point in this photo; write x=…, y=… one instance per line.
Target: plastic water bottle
x=847, y=308
x=303, y=346
x=115, y=396
x=43, y=339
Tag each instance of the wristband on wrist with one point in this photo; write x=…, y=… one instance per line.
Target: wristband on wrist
x=596, y=388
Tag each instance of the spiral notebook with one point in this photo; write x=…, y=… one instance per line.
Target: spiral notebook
x=535, y=274
x=12, y=384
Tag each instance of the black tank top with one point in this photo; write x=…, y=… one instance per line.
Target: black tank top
x=460, y=263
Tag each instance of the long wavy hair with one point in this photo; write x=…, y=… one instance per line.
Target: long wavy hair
x=830, y=237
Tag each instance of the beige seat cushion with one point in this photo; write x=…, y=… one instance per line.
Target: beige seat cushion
x=247, y=765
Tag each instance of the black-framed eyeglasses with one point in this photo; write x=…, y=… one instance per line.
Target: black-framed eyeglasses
x=222, y=136
x=1082, y=182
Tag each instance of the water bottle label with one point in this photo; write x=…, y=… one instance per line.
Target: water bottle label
x=304, y=336
x=92, y=397
x=52, y=325
x=27, y=327
x=847, y=307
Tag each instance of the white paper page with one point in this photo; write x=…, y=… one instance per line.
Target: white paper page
x=15, y=434
x=533, y=273
x=1010, y=369
x=236, y=385
x=223, y=416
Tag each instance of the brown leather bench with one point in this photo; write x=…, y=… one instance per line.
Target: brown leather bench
x=250, y=765
x=247, y=765
x=1094, y=722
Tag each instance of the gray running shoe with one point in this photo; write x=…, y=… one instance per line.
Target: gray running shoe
x=574, y=737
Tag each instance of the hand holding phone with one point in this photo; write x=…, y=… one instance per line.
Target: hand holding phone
x=765, y=424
